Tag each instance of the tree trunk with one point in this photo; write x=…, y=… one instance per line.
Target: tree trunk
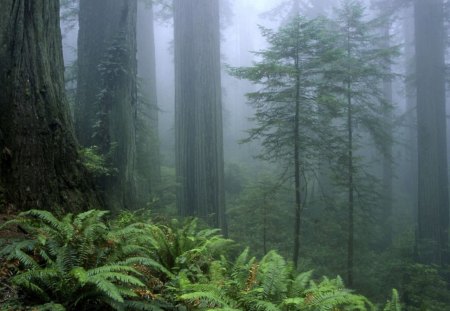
x=298, y=198
x=106, y=99
x=433, y=201
x=147, y=142
x=198, y=111
x=387, y=177
x=39, y=163
x=350, y=189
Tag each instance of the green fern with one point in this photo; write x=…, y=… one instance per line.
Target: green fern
x=394, y=303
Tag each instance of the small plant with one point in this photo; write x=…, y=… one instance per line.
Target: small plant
x=95, y=162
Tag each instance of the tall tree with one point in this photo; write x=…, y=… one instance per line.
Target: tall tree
x=39, y=163
x=361, y=70
x=286, y=104
x=198, y=111
x=105, y=108
x=147, y=143
x=433, y=200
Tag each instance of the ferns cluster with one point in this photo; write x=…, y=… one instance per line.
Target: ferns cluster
x=270, y=285
x=84, y=262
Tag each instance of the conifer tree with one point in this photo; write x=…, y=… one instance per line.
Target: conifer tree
x=286, y=103
x=357, y=84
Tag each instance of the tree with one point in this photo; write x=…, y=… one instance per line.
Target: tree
x=198, y=111
x=287, y=102
x=105, y=108
x=39, y=162
x=433, y=201
x=147, y=142
x=357, y=82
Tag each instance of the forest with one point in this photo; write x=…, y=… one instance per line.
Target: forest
x=255, y=155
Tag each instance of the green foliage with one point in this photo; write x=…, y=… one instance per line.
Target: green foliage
x=288, y=77
x=425, y=288
x=83, y=262
x=182, y=247
x=95, y=162
x=78, y=261
x=270, y=285
x=394, y=303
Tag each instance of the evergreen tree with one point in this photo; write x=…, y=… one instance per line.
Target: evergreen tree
x=357, y=84
x=286, y=103
x=198, y=111
x=39, y=163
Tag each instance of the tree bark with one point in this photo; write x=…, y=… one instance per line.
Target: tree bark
x=39, y=163
x=107, y=94
x=198, y=111
x=147, y=142
x=433, y=200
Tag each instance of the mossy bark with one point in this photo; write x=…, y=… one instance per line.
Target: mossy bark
x=105, y=112
x=39, y=163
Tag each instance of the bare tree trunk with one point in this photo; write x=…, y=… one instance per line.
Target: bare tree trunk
x=147, y=134
x=198, y=111
x=433, y=208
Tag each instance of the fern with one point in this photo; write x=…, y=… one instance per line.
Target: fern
x=394, y=303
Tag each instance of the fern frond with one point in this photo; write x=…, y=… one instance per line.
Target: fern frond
x=206, y=299
x=273, y=277
x=111, y=268
x=394, y=303
x=300, y=283
x=148, y=262
x=47, y=218
x=107, y=288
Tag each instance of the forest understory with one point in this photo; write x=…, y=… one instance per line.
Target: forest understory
x=268, y=155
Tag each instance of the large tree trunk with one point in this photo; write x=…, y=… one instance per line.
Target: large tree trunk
x=40, y=166
x=433, y=208
x=147, y=142
x=198, y=110
x=106, y=101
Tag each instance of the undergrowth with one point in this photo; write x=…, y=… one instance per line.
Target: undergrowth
x=89, y=262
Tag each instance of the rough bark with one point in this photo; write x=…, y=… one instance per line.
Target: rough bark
x=39, y=163
x=106, y=100
x=433, y=200
x=198, y=111
x=147, y=143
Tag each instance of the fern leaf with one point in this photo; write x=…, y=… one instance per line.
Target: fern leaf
x=112, y=268
x=148, y=262
x=207, y=299
x=107, y=288
x=394, y=303
x=300, y=283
